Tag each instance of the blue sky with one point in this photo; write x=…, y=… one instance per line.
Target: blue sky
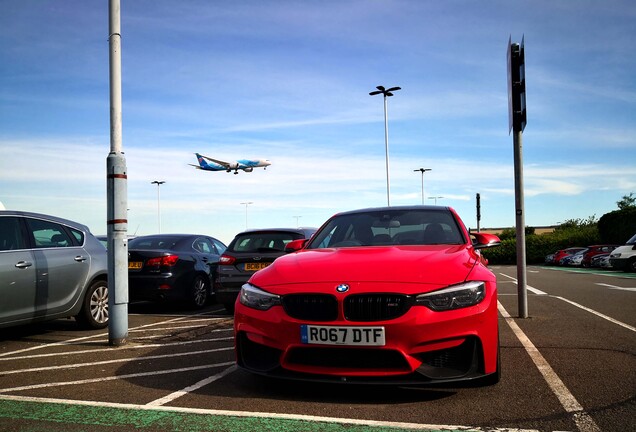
x=289, y=81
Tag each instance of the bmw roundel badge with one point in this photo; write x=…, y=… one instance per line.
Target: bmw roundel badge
x=342, y=288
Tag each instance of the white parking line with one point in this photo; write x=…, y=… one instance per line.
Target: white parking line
x=300, y=417
x=616, y=287
x=598, y=314
x=112, y=378
x=529, y=288
x=592, y=311
x=583, y=421
x=71, y=341
x=119, y=360
x=125, y=347
x=172, y=396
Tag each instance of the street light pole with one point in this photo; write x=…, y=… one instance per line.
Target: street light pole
x=423, y=170
x=158, y=183
x=386, y=93
x=246, y=204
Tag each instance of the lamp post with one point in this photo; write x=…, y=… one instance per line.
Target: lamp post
x=246, y=204
x=436, y=198
x=423, y=170
x=297, y=217
x=386, y=93
x=158, y=183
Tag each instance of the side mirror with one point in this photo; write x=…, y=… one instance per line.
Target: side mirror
x=484, y=240
x=295, y=245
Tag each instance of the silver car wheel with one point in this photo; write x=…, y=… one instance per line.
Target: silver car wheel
x=99, y=304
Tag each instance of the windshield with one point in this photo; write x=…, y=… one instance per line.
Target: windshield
x=263, y=241
x=153, y=242
x=389, y=228
x=632, y=241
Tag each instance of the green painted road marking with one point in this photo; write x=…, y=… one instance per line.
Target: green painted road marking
x=617, y=273
x=70, y=416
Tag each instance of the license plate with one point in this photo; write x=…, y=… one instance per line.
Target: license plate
x=351, y=336
x=135, y=265
x=255, y=266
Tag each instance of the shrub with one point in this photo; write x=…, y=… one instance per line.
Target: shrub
x=618, y=226
x=538, y=246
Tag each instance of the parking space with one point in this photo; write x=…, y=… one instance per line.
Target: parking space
x=178, y=368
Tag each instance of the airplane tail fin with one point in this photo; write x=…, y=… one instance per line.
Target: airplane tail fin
x=202, y=162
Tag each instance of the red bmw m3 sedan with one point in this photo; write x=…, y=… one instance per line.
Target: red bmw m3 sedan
x=396, y=295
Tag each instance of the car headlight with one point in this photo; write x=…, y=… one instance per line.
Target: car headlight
x=454, y=297
x=256, y=298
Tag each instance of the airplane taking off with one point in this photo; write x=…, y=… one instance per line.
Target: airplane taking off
x=246, y=165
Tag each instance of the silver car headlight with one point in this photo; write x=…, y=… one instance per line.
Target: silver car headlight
x=453, y=297
x=256, y=298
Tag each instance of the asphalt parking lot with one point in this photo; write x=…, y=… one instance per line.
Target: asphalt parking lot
x=568, y=367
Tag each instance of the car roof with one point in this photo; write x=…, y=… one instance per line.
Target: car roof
x=267, y=230
x=394, y=208
x=172, y=236
x=51, y=218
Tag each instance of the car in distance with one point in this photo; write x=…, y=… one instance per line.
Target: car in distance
x=173, y=267
x=595, y=250
x=563, y=253
x=249, y=252
x=51, y=268
x=624, y=257
x=396, y=295
x=574, y=260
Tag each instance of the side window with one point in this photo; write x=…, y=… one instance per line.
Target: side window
x=220, y=247
x=11, y=234
x=48, y=234
x=204, y=245
x=79, y=236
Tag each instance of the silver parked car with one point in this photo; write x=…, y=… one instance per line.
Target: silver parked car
x=50, y=268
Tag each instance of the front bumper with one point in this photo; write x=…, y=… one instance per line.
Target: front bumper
x=619, y=263
x=422, y=347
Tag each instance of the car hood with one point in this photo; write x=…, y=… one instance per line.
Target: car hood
x=436, y=265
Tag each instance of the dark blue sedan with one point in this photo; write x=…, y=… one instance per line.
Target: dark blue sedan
x=173, y=267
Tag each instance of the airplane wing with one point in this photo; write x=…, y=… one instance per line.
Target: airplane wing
x=216, y=161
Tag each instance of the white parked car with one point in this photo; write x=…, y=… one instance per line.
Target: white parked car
x=624, y=257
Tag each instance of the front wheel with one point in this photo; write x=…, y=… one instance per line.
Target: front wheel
x=94, y=312
x=631, y=265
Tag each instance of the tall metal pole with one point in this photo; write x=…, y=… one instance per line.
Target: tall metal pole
x=117, y=193
x=386, y=93
x=522, y=296
x=246, y=204
x=423, y=170
x=158, y=183
x=386, y=151
x=517, y=119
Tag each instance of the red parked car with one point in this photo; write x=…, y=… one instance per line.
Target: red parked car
x=560, y=254
x=389, y=295
x=595, y=250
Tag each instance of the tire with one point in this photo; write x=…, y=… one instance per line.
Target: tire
x=94, y=312
x=631, y=265
x=199, y=292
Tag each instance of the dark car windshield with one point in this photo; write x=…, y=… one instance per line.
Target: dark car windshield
x=389, y=227
x=262, y=241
